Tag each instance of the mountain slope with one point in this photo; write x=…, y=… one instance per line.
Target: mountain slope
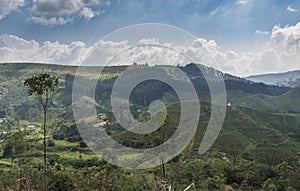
x=232, y=83
x=252, y=143
x=284, y=103
x=240, y=91
x=289, y=79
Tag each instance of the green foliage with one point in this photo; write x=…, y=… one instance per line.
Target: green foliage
x=42, y=83
x=260, y=147
x=250, y=173
x=15, y=145
x=82, y=144
x=44, y=86
x=288, y=175
x=270, y=185
x=233, y=144
x=73, y=139
x=58, y=136
x=61, y=182
x=270, y=156
x=8, y=150
x=50, y=143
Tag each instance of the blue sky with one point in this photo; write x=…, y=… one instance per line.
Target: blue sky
x=234, y=25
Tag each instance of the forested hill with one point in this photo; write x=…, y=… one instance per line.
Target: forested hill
x=10, y=71
x=12, y=75
x=232, y=83
x=255, y=150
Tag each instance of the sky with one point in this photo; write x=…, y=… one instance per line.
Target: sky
x=244, y=37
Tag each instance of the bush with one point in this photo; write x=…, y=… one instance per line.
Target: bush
x=82, y=144
x=71, y=131
x=50, y=143
x=74, y=149
x=53, y=158
x=74, y=139
x=61, y=182
x=8, y=151
x=58, y=136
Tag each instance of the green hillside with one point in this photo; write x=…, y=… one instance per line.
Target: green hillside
x=258, y=147
x=284, y=103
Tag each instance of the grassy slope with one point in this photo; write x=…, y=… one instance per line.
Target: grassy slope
x=258, y=129
x=285, y=103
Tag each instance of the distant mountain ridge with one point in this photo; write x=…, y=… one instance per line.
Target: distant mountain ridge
x=232, y=83
x=288, y=79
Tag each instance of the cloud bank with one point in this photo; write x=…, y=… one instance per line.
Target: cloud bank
x=16, y=49
x=281, y=53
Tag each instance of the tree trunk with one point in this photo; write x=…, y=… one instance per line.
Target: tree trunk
x=45, y=150
x=163, y=171
x=12, y=163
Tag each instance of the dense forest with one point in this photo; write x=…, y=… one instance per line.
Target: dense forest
x=258, y=147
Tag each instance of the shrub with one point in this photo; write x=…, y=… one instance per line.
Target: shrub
x=74, y=139
x=61, y=182
x=50, y=143
x=82, y=144
x=58, y=136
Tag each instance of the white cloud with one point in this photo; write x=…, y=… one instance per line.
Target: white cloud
x=7, y=6
x=88, y=13
x=52, y=21
x=287, y=38
x=16, y=49
x=101, y=52
x=281, y=53
x=241, y=2
x=149, y=41
x=60, y=7
x=286, y=42
x=260, y=32
x=291, y=9
x=14, y=42
x=60, y=12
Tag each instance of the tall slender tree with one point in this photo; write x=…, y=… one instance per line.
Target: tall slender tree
x=44, y=86
x=164, y=133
